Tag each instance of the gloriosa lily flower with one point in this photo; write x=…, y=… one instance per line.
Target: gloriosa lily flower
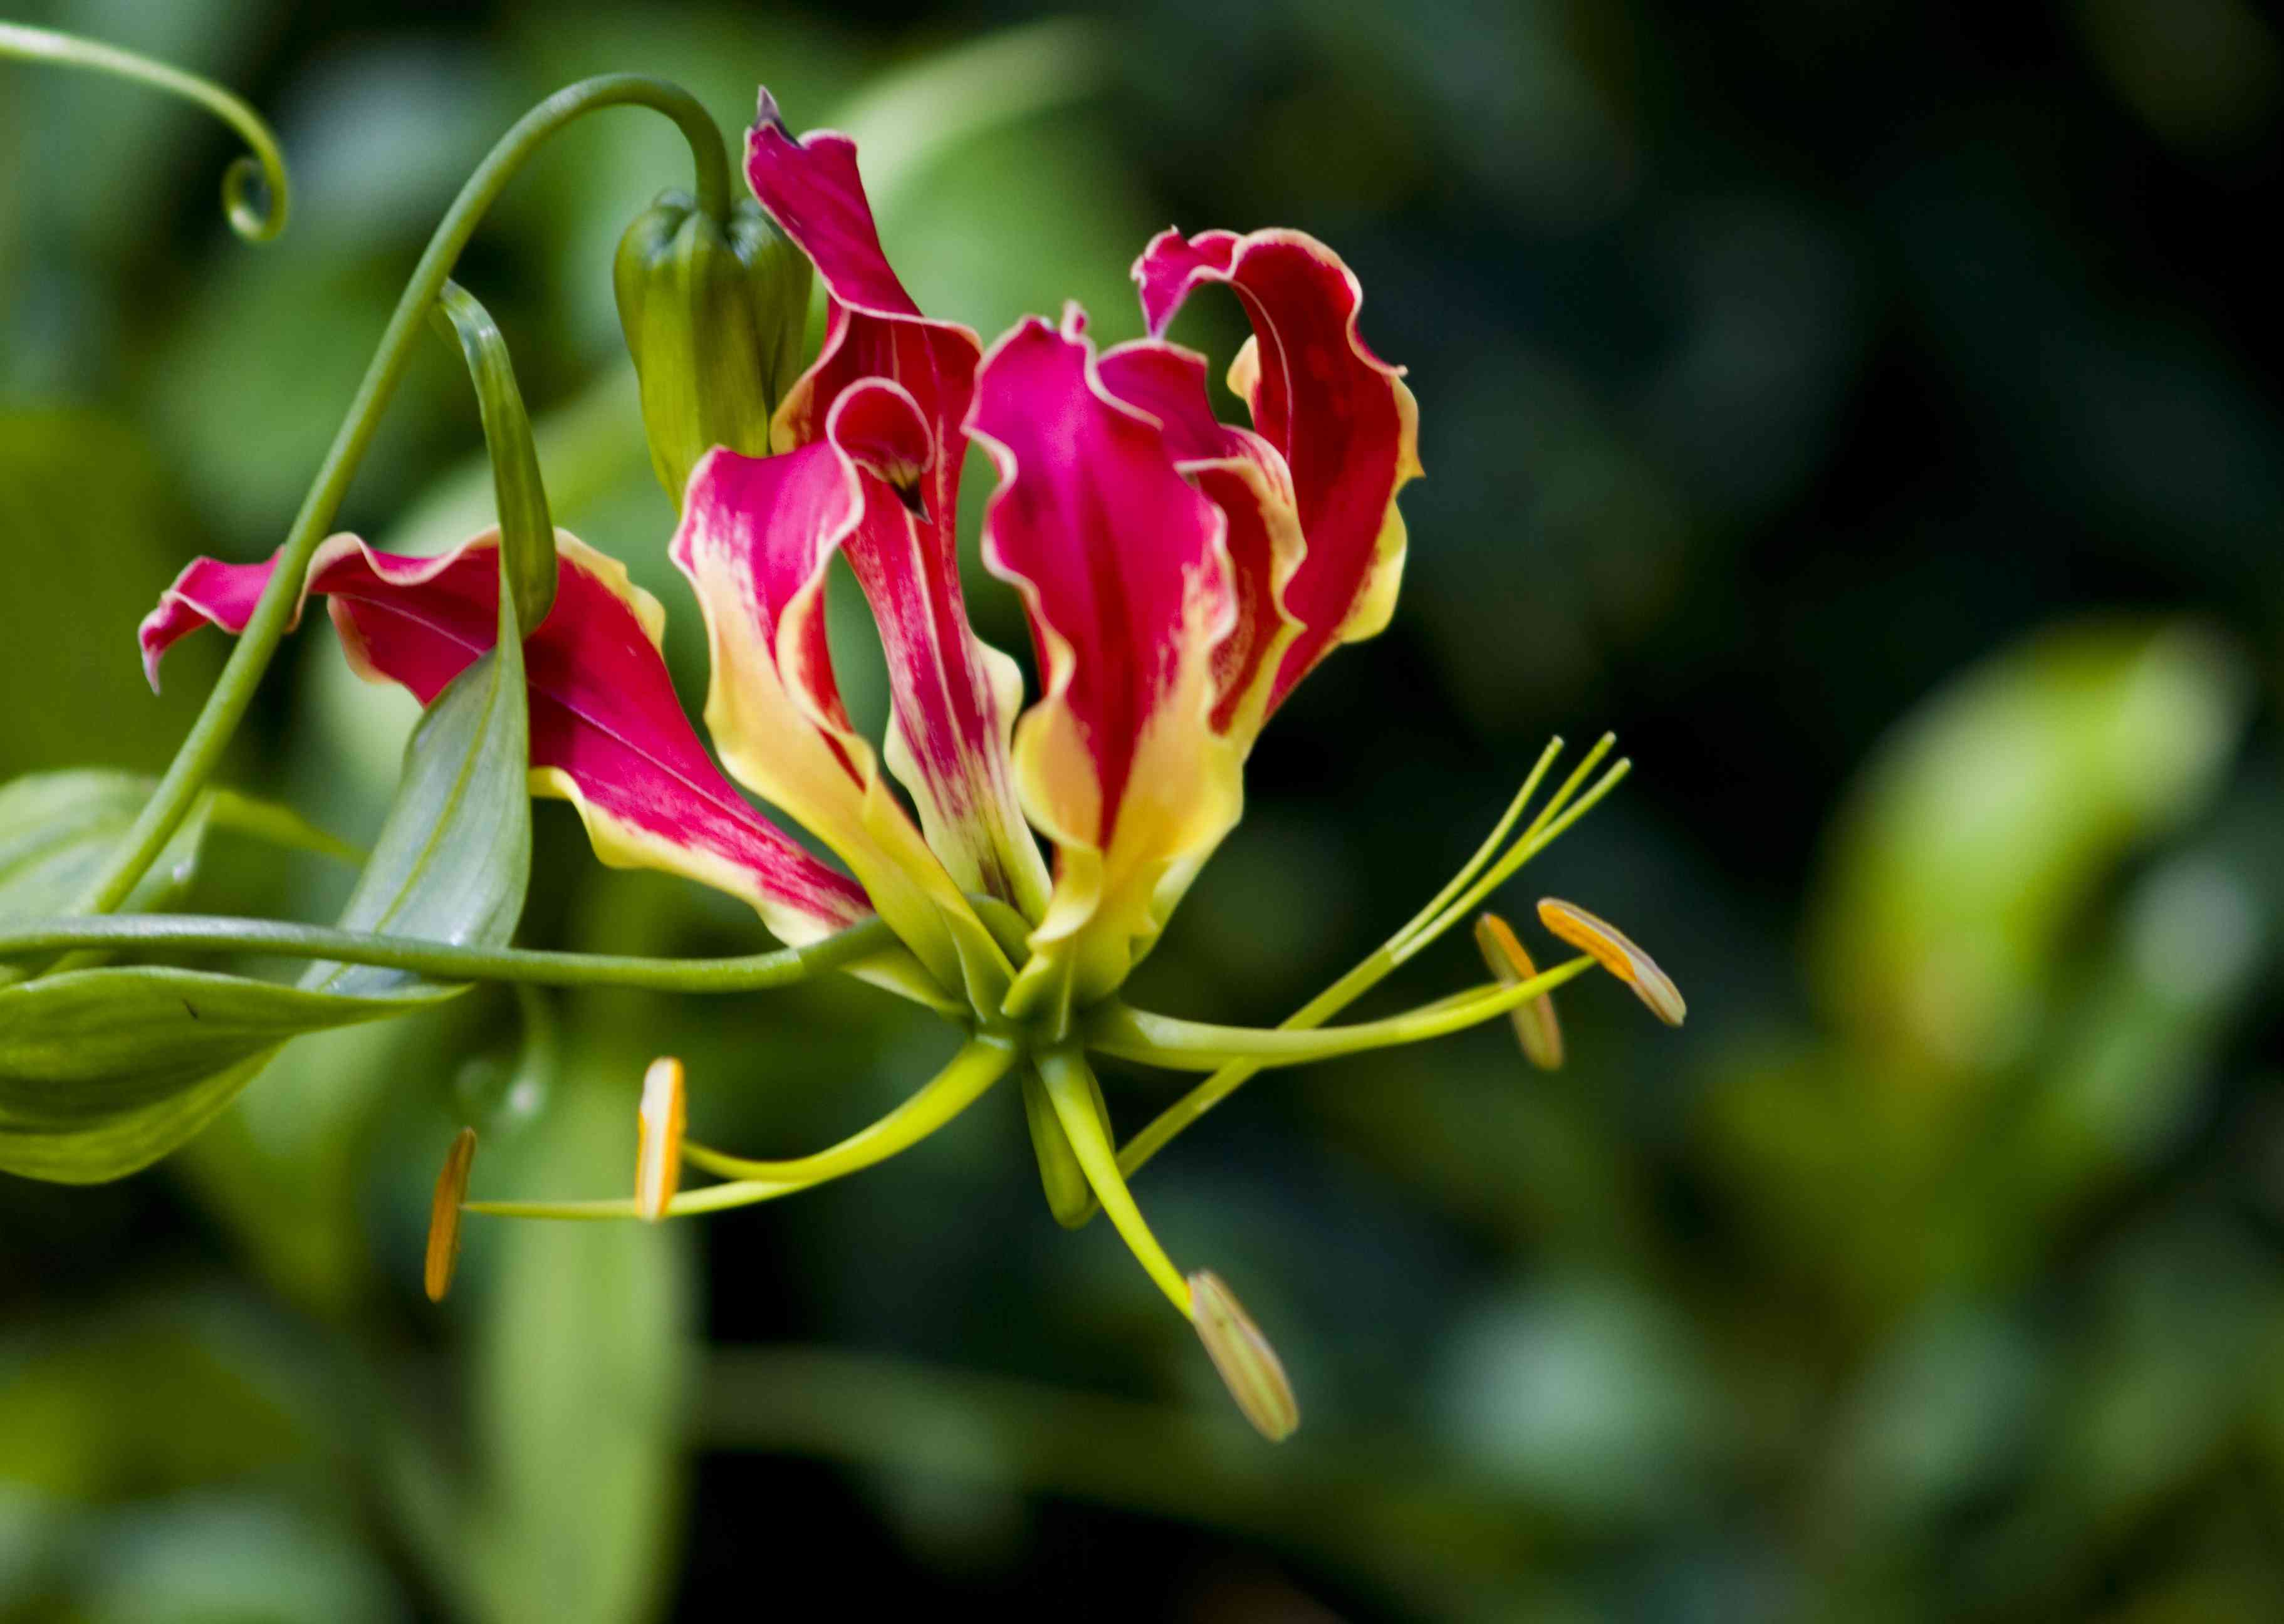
x=1180, y=577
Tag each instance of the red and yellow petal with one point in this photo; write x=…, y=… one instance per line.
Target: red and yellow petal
x=955, y=698
x=1346, y=424
x=1246, y=477
x=1124, y=573
x=608, y=733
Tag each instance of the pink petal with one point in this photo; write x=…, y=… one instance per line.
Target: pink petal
x=607, y=732
x=955, y=696
x=1345, y=423
x=1246, y=477
x=756, y=537
x=1123, y=569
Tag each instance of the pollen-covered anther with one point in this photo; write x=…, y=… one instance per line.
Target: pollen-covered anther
x=658, y=1150
x=444, y=1215
x=1611, y=947
x=1535, y=1028
x=1248, y=1366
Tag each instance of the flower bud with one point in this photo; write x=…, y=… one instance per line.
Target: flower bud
x=1249, y=1367
x=444, y=1215
x=713, y=315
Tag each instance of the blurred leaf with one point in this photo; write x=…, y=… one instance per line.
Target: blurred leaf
x=1988, y=817
x=160, y=1398
x=582, y=1360
x=92, y=527
x=102, y=1071
x=454, y=859
x=59, y=829
x=216, y=1559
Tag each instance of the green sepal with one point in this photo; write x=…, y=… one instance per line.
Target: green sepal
x=1069, y=1197
x=526, y=531
x=714, y=314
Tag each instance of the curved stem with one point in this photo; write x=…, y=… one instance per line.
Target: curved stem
x=255, y=221
x=201, y=749
x=968, y=1077
x=196, y=934
x=1130, y=1034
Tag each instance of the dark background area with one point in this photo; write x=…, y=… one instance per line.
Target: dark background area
x=1868, y=411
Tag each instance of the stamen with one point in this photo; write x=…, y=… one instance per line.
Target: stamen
x=1612, y=949
x=658, y=1153
x=1457, y=899
x=444, y=1215
x=1535, y=1028
x=1552, y=822
x=1249, y=1367
x=1490, y=849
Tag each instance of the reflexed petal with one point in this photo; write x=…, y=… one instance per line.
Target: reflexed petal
x=1246, y=477
x=756, y=537
x=1125, y=574
x=608, y=733
x=1347, y=426
x=955, y=697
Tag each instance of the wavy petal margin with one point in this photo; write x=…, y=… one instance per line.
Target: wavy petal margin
x=608, y=733
x=1124, y=571
x=956, y=697
x=1347, y=426
x=1246, y=477
x=757, y=540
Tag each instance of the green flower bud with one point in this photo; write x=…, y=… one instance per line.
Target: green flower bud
x=713, y=316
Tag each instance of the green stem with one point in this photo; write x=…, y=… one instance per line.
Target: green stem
x=255, y=221
x=1130, y=1034
x=198, y=934
x=201, y=749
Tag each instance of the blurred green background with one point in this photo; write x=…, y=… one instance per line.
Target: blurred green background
x=1868, y=409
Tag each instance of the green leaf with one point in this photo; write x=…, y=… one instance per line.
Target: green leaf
x=559, y=1496
x=454, y=859
x=1994, y=812
x=528, y=532
x=57, y=829
x=102, y=1071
